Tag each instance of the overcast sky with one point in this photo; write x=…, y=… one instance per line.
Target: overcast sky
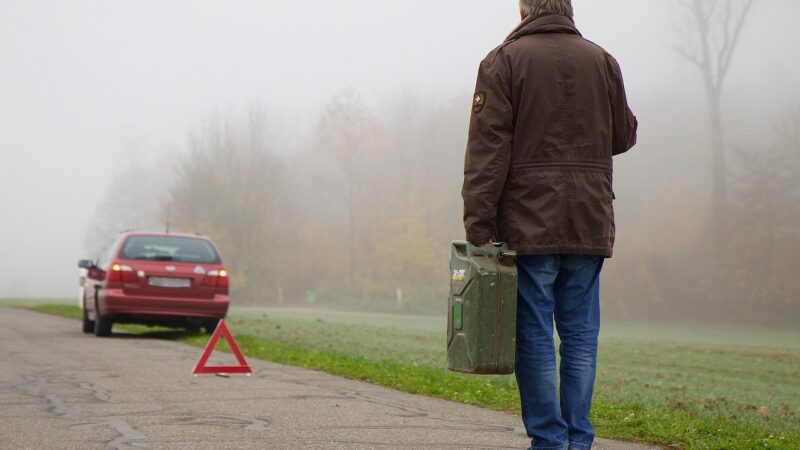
x=89, y=86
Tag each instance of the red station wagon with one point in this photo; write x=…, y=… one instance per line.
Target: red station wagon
x=155, y=279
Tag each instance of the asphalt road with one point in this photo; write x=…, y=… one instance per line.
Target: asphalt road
x=62, y=389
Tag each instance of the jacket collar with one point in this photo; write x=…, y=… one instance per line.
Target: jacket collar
x=543, y=24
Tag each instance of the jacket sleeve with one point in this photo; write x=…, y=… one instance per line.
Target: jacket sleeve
x=488, y=155
x=625, y=124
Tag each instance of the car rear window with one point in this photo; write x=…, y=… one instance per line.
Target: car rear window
x=169, y=248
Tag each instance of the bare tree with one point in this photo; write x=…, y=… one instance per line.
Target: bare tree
x=131, y=202
x=347, y=132
x=769, y=188
x=718, y=26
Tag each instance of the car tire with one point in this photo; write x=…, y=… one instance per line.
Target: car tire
x=102, y=325
x=88, y=325
x=210, y=326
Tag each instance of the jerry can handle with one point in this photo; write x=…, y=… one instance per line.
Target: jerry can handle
x=507, y=254
x=492, y=248
x=504, y=254
x=464, y=250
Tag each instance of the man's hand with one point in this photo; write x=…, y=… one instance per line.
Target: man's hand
x=490, y=242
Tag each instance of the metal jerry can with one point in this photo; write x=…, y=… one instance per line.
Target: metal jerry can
x=482, y=313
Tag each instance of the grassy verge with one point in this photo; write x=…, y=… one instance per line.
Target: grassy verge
x=683, y=394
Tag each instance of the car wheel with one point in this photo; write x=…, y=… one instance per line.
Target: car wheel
x=102, y=325
x=88, y=325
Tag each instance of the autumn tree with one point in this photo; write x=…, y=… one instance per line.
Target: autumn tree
x=766, y=246
x=230, y=185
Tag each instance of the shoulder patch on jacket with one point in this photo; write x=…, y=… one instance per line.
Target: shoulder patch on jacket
x=478, y=101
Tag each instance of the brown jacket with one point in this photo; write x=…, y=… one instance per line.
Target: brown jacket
x=549, y=112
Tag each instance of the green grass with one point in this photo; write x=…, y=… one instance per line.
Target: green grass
x=712, y=389
x=70, y=311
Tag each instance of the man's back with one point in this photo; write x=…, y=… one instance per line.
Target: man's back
x=560, y=99
x=549, y=113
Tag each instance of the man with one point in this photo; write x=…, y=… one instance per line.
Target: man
x=548, y=114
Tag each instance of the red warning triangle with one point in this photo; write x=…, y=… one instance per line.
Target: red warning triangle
x=202, y=369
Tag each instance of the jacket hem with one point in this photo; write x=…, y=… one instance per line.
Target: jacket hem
x=531, y=250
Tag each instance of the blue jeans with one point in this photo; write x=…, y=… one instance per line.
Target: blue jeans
x=565, y=288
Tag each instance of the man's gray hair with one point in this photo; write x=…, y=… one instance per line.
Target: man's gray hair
x=538, y=8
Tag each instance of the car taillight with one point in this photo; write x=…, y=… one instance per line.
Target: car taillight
x=121, y=273
x=216, y=278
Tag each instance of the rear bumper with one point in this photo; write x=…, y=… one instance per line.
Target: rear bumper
x=115, y=302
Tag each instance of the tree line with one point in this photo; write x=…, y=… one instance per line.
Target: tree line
x=360, y=213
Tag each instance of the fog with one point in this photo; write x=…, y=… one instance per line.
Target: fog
x=102, y=104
